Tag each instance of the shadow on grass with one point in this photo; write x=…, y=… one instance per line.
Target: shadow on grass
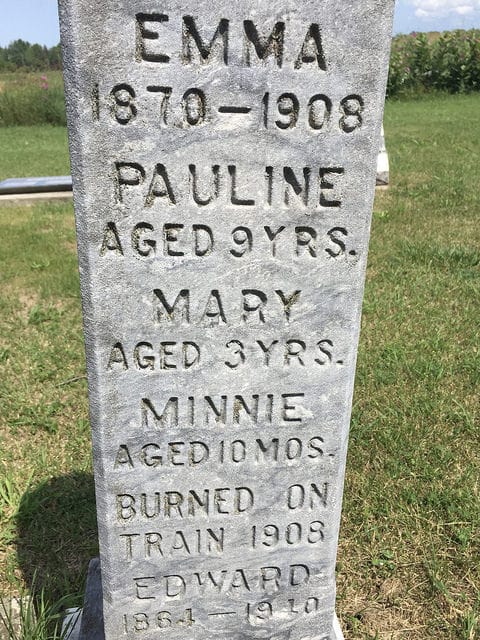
x=57, y=535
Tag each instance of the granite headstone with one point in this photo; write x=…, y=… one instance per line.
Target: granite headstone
x=224, y=160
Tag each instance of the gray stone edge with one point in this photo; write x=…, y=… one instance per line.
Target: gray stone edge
x=73, y=622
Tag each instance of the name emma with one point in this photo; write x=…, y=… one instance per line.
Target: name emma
x=156, y=41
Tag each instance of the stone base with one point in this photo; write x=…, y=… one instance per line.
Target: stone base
x=71, y=624
x=383, y=165
x=337, y=631
x=87, y=623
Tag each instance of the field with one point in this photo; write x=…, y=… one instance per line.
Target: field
x=408, y=561
x=32, y=98
x=19, y=80
x=39, y=150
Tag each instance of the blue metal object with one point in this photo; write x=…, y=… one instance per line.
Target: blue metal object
x=35, y=185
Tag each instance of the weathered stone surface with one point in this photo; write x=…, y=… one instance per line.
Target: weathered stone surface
x=223, y=160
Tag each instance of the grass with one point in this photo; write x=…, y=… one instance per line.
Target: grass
x=46, y=489
x=35, y=150
x=26, y=618
x=39, y=150
x=409, y=551
x=21, y=80
x=408, y=560
x=32, y=99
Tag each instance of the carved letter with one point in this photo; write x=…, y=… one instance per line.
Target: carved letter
x=264, y=46
x=312, y=49
x=203, y=201
x=214, y=313
x=288, y=302
x=179, y=311
x=144, y=247
x=160, y=187
x=128, y=174
x=143, y=34
x=111, y=240
x=217, y=48
x=117, y=357
x=168, y=417
x=252, y=305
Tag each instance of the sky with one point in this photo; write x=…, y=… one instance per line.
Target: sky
x=37, y=20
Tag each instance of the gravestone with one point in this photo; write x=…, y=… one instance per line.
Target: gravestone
x=224, y=160
x=383, y=164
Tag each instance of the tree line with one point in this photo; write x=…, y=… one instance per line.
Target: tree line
x=420, y=62
x=23, y=55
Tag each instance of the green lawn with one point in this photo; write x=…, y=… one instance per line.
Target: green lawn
x=33, y=151
x=409, y=554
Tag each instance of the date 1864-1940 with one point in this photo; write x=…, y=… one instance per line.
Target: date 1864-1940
x=256, y=614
